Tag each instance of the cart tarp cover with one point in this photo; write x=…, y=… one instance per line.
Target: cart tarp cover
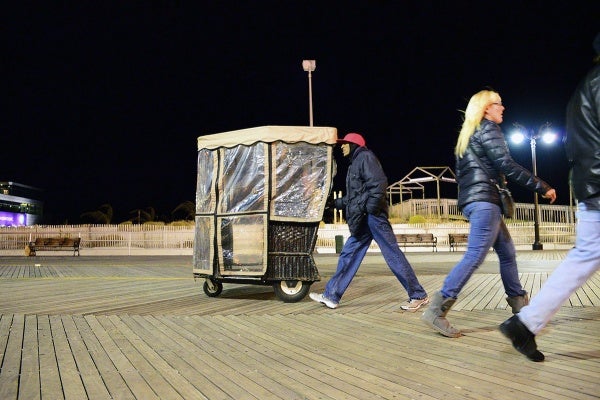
x=269, y=134
x=249, y=177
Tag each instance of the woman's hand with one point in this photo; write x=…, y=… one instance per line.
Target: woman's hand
x=550, y=194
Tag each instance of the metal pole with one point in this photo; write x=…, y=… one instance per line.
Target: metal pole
x=536, y=208
x=309, y=66
x=439, y=200
x=310, y=107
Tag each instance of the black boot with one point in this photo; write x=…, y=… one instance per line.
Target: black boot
x=522, y=339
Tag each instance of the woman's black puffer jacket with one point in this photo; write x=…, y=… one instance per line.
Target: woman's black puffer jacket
x=366, y=184
x=488, y=143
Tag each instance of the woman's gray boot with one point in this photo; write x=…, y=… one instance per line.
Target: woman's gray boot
x=518, y=302
x=435, y=315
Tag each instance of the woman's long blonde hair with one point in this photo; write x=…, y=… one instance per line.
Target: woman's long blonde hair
x=473, y=116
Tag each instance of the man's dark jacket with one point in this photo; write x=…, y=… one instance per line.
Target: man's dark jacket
x=366, y=184
x=488, y=143
x=583, y=139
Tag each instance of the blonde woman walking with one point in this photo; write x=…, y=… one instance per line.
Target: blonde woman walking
x=479, y=200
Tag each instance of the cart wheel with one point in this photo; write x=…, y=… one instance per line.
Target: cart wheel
x=212, y=288
x=291, y=291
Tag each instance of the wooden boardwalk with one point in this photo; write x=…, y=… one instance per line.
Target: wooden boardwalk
x=141, y=328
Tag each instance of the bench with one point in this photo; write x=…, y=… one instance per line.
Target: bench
x=54, y=244
x=454, y=239
x=417, y=239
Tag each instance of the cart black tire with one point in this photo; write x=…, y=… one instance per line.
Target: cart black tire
x=291, y=291
x=214, y=289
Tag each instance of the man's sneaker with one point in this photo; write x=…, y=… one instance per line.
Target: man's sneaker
x=414, y=304
x=319, y=298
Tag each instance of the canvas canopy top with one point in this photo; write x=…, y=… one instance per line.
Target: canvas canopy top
x=269, y=134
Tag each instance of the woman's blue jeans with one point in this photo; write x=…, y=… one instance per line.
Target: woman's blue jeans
x=376, y=228
x=487, y=230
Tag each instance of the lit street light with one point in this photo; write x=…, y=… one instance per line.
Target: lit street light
x=548, y=136
x=309, y=66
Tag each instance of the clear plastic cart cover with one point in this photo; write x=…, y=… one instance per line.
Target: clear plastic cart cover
x=248, y=177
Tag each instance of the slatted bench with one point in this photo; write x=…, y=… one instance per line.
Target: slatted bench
x=417, y=240
x=455, y=239
x=54, y=244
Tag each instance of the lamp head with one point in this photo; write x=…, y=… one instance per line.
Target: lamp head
x=518, y=134
x=309, y=65
x=547, y=134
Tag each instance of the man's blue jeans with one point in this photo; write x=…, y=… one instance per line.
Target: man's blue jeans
x=354, y=250
x=487, y=230
x=580, y=264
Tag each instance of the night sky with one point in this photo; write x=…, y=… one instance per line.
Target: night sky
x=104, y=100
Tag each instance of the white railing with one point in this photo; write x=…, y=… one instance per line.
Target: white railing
x=103, y=236
x=552, y=234
x=447, y=209
x=130, y=239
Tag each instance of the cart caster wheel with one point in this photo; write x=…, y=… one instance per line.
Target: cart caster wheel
x=212, y=288
x=291, y=291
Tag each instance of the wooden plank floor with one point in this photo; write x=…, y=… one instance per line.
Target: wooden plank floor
x=141, y=328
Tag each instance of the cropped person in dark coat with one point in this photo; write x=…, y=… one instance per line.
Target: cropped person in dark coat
x=583, y=261
x=367, y=216
x=479, y=200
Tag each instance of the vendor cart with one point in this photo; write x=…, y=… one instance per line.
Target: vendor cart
x=260, y=197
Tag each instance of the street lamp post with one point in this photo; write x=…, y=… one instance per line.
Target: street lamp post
x=537, y=245
x=544, y=132
x=309, y=66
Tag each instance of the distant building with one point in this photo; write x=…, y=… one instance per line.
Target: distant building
x=20, y=204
